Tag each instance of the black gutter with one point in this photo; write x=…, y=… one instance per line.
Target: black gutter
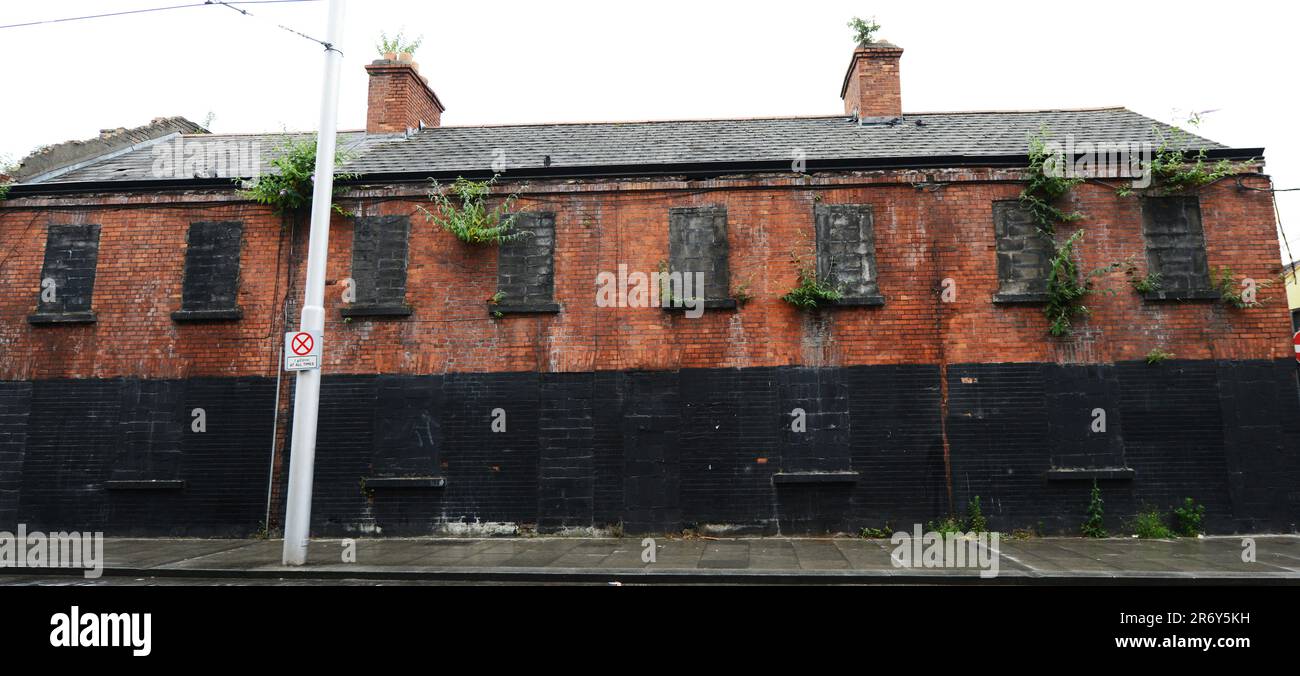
x=698, y=171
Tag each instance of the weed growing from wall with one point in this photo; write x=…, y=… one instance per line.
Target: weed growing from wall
x=464, y=212
x=1094, y=526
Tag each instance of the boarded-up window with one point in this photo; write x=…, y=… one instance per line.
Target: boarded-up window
x=1024, y=254
x=697, y=244
x=846, y=252
x=379, y=248
x=526, y=266
x=211, y=286
x=68, y=275
x=1176, y=248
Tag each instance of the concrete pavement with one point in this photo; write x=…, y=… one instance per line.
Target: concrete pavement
x=840, y=560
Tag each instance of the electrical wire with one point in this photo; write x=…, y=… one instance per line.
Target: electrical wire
x=147, y=11
x=328, y=47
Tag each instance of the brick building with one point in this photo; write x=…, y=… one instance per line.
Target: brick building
x=140, y=388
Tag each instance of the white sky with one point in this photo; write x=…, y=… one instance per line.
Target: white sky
x=511, y=61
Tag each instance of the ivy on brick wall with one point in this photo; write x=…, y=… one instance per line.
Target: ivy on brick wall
x=1045, y=186
x=1068, y=286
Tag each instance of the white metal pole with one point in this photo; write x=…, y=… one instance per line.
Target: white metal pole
x=302, y=458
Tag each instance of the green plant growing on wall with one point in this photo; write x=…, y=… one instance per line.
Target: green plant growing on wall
x=1044, y=188
x=1158, y=356
x=464, y=213
x=1177, y=168
x=1150, y=523
x=864, y=30
x=1225, y=283
x=950, y=525
x=496, y=300
x=869, y=533
x=742, y=294
x=975, y=521
x=1094, y=526
x=1149, y=283
x=1188, y=517
x=811, y=294
x=288, y=187
x=398, y=44
x=7, y=168
x=667, y=294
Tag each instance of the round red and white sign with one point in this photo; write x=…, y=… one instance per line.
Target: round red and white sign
x=302, y=344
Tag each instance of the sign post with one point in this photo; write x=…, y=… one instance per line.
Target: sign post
x=306, y=402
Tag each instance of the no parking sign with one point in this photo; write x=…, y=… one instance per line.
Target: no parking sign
x=301, y=351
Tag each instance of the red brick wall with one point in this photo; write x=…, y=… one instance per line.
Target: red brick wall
x=922, y=237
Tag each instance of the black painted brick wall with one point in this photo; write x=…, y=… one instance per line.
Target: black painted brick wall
x=661, y=451
x=78, y=431
x=15, y=408
x=566, y=448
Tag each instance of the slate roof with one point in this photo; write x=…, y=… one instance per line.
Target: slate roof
x=138, y=164
x=615, y=145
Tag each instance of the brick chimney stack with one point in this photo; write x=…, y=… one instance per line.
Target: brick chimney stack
x=872, y=91
x=399, y=98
